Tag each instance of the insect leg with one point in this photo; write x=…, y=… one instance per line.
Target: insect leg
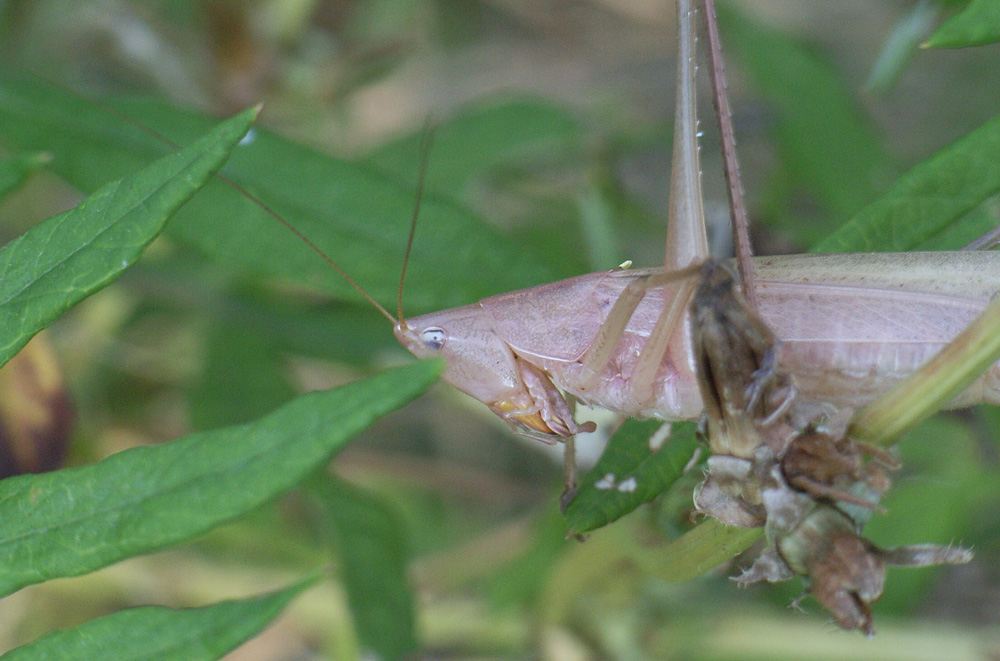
x=569, y=473
x=601, y=349
x=686, y=240
x=657, y=345
x=737, y=206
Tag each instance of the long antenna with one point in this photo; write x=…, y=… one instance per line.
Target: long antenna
x=316, y=249
x=235, y=186
x=425, y=150
x=737, y=205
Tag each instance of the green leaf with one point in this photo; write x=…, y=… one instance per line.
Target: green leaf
x=701, y=549
x=901, y=45
x=294, y=320
x=519, y=582
x=827, y=142
x=242, y=379
x=158, y=633
x=79, y=519
x=340, y=332
x=925, y=200
x=15, y=170
x=481, y=138
x=597, y=226
x=355, y=213
x=70, y=256
x=977, y=24
x=374, y=553
x=966, y=230
x=629, y=473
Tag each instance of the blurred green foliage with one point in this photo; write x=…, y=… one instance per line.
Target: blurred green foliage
x=440, y=530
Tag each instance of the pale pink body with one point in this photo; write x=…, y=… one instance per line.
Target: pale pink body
x=851, y=326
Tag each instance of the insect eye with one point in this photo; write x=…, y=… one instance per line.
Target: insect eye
x=433, y=338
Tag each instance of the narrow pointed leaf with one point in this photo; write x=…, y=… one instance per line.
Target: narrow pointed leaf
x=629, y=473
x=357, y=214
x=15, y=170
x=373, y=552
x=79, y=519
x=243, y=378
x=977, y=24
x=70, y=256
x=925, y=200
x=157, y=633
x=339, y=331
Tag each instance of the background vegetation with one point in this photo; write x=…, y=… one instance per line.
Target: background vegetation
x=436, y=530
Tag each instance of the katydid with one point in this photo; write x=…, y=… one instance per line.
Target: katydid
x=809, y=331
x=852, y=325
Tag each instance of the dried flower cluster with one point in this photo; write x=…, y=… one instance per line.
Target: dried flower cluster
x=785, y=463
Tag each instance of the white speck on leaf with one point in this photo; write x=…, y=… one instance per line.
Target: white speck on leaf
x=628, y=486
x=249, y=138
x=660, y=436
x=606, y=482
